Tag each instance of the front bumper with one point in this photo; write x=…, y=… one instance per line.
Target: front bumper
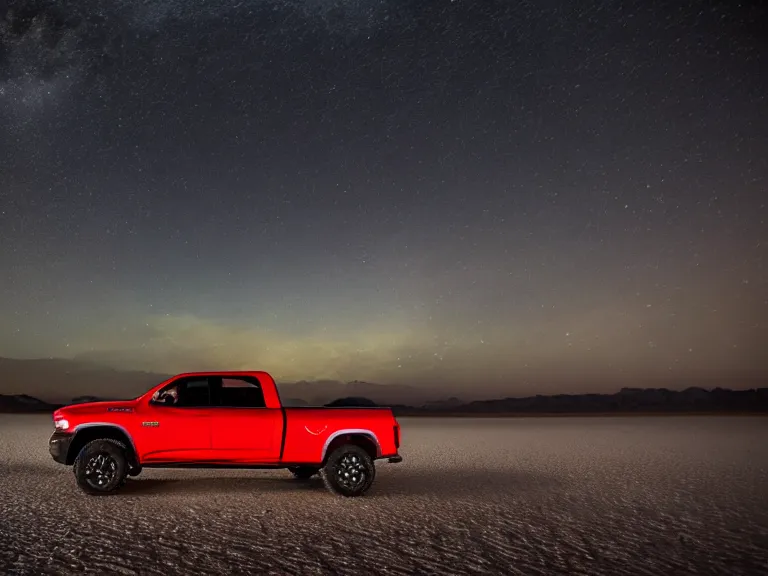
x=58, y=446
x=396, y=459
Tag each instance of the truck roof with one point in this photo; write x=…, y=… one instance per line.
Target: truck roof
x=224, y=373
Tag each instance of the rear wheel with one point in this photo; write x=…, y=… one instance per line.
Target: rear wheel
x=349, y=471
x=303, y=472
x=101, y=467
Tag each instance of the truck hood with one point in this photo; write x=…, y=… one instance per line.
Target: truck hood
x=99, y=407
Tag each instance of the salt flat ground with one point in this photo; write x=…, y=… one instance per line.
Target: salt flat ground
x=613, y=496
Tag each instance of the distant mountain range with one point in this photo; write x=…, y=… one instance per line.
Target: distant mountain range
x=626, y=401
x=21, y=403
x=87, y=382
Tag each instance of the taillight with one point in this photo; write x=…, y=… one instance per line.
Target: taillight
x=397, y=435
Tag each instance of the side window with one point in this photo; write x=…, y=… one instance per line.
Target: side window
x=194, y=393
x=241, y=393
x=166, y=396
x=187, y=393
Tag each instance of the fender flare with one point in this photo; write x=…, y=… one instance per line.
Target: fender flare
x=80, y=427
x=351, y=431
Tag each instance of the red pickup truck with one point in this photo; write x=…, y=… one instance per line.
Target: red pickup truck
x=222, y=419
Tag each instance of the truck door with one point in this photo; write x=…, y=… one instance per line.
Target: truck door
x=243, y=429
x=175, y=426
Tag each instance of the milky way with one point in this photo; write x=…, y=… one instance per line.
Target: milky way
x=543, y=196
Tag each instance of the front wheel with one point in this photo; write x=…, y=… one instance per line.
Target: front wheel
x=349, y=471
x=101, y=467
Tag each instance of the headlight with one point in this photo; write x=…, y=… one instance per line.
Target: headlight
x=61, y=424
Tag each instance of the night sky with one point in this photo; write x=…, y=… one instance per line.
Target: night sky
x=455, y=193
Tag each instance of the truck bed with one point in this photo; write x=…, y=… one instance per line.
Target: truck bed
x=308, y=431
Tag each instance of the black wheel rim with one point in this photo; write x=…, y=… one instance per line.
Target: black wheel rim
x=350, y=471
x=100, y=471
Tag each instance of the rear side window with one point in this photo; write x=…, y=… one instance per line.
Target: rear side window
x=241, y=393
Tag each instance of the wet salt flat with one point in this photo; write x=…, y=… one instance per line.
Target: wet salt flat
x=623, y=495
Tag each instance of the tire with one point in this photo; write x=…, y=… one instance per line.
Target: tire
x=349, y=471
x=303, y=472
x=101, y=467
